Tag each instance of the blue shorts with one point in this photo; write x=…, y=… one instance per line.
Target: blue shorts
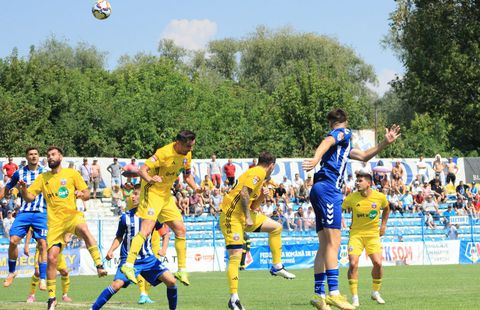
x=25, y=220
x=150, y=268
x=327, y=201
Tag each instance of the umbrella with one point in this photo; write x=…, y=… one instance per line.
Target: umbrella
x=130, y=173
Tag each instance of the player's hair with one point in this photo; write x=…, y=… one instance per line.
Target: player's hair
x=337, y=116
x=266, y=158
x=185, y=136
x=137, y=186
x=31, y=148
x=367, y=176
x=53, y=147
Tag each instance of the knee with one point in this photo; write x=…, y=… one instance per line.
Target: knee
x=277, y=230
x=377, y=264
x=64, y=273
x=117, y=285
x=170, y=281
x=14, y=241
x=179, y=230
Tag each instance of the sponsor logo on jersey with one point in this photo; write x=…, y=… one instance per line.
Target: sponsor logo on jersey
x=256, y=179
x=63, y=182
x=62, y=192
x=340, y=136
x=154, y=158
x=372, y=214
x=374, y=205
x=236, y=237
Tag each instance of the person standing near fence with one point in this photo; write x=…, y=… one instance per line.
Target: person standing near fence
x=366, y=204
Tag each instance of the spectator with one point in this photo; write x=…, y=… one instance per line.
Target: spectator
x=96, y=176
x=23, y=163
x=115, y=170
x=451, y=171
x=394, y=202
x=397, y=176
x=195, y=204
x=214, y=171
x=476, y=206
x=253, y=164
x=349, y=185
x=447, y=214
x=459, y=205
x=268, y=208
x=290, y=220
x=310, y=219
x=286, y=183
x=302, y=195
x=229, y=170
x=117, y=200
x=277, y=217
x=215, y=201
x=300, y=219
x=407, y=202
x=430, y=206
x=8, y=169
x=281, y=194
x=462, y=190
x=452, y=233
x=132, y=167
x=128, y=188
x=207, y=183
x=429, y=222
x=309, y=183
x=297, y=182
x=438, y=168
x=422, y=170
x=86, y=172
x=7, y=223
x=438, y=190
x=184, y=203
x=44, y=164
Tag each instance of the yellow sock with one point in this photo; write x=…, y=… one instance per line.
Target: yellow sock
x=376, y=285
x=135, y=247
x=95, y=253
x=353, y=286
x=33, y=285
x=181, y=248
x=141, y=285
x=65, y=284
x=147, y=287
x=52, y=288
x=232, y=272
x=275, y=243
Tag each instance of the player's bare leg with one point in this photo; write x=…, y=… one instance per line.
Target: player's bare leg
x=83, y=232
x=12, y=260
x=377, y=274
x=274, y=230
x=180, y=232
x=353, y=279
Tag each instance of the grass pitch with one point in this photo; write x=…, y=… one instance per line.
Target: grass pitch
x=404, y=287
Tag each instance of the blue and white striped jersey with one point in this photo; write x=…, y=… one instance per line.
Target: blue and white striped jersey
x=27, y=175
x=128, y=226
x=334, y=161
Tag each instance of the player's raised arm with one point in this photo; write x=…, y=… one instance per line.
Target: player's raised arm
x=390, y=136
x=309, y=164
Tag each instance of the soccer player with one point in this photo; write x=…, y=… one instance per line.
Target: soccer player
x=365, y=233
x=149, y=266
x=61, y=187
x=326, y=198
x=31, y=214
x=238, y=216
x=61, y=267
x=157, y=203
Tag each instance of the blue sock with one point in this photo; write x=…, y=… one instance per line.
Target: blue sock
x=103, y=298
x=172, y=297
x=43, y=270
x=332, y=279
x=12, y=264
x=320, y=283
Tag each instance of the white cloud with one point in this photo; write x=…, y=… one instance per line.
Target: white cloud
x=190, y=34
x=384, y=77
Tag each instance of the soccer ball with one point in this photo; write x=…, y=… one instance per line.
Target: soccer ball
x=101, y=9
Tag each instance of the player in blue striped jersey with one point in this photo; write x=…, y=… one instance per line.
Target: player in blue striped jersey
x=32, y=214
x=326, y=198
x=146, y=264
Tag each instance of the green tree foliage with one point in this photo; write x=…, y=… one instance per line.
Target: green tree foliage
x=438, y=42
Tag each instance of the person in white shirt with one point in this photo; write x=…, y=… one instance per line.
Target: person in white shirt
x=7, y=223
x=268, y=208
x=422, y=169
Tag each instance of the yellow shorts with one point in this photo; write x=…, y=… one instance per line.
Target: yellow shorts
x=61, y=261
x=57, y=231
x=233, y=227
x=162, y=208
x=357, y=243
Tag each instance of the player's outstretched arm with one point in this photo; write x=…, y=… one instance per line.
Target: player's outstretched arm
x=383, y=225
x=84, y=194
x=27, y=196
x=309, y=164
x=390, y=136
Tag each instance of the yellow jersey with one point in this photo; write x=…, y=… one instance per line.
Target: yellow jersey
x=253, y=178
x=59, y=192
x=167, y=164
x=365, y=212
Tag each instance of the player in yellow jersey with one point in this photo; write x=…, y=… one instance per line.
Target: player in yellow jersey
x=238, y=216
x=60, y=188
x=61, y=268
x=365, y=233
x=157, y=203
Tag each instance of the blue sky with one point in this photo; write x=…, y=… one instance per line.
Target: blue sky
x=137, y=26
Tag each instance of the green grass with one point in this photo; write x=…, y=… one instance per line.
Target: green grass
x=404, y=287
